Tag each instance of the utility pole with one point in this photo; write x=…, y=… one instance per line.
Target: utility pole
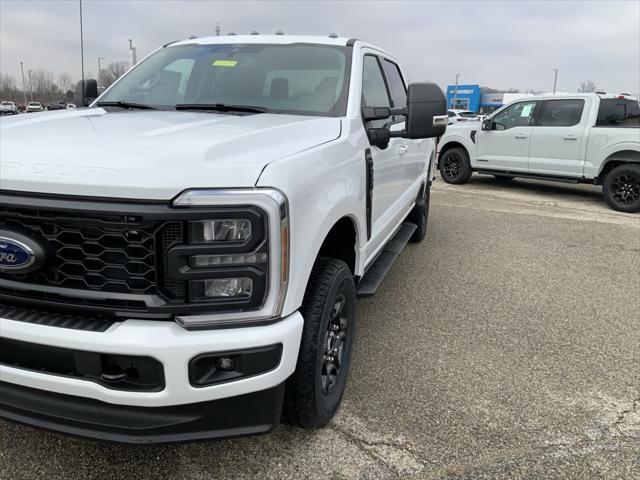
x=24, y=86
x=81, y=54
x=555, y=80
x=217, y=29
x=99, y=70
x=455, y=92
x=30, y=86
x=133, y=56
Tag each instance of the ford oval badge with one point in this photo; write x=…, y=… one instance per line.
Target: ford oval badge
x=19, y=253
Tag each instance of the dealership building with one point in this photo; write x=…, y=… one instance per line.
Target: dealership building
x=471, y=97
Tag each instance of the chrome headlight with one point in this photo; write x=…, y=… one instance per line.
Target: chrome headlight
x=236, y=263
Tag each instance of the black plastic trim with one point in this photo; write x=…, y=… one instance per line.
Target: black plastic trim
x=113, y=371
x=54, y=319
x=351, y=42
x=533, y=176
x=369, y=186
x=248, y=363
x=251, y=414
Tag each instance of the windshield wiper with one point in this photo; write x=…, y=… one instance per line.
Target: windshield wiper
x=221, y=107
x=139, y=106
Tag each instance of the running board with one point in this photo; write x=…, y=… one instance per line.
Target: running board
x=532, y=176
x=375, y=274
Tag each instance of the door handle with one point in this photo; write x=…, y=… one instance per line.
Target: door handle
x=571, y=137
x=521, y=135
x=402, y=149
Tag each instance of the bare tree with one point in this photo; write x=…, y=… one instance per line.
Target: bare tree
x=65, y=82
x=587, y=86
x=112, y=72
x=8, y=89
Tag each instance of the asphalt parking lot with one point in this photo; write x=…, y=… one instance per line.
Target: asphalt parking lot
x=506, y=346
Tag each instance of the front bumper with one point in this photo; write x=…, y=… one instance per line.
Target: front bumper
x=178, y=412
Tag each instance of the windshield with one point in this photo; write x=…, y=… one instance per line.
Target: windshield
x=34, y=104
x=297, y=78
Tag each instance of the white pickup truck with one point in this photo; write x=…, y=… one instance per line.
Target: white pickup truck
x=583, y=138
x=181, y=259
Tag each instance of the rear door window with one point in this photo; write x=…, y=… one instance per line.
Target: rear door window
x=561, y=113
x=618, y=112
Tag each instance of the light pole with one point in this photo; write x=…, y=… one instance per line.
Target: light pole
x=81, y=54
x=555, y=80
x=99, y=69
x=455, y=92
x=30, y=86
x=24, y=86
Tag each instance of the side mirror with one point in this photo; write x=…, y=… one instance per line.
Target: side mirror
x=487, y=124
x=426, y=111
x=86, y=92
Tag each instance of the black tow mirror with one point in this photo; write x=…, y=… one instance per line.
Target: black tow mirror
x=426, y=111
x=487, y=124
x=86, y=92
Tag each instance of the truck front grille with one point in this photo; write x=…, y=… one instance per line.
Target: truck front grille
x=108, y=253
x=101, y=257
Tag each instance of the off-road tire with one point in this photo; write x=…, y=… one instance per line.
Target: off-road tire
x=307, y=402
x=455, y=166
x=621, y=188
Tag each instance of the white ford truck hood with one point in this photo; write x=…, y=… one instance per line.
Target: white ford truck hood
x=148, y=154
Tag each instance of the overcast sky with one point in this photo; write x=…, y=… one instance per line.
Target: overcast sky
x=502, y=44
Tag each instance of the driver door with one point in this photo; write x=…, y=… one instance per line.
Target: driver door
x=506, y=145
x=389, y=164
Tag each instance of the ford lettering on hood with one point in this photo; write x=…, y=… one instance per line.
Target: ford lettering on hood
x=151, y=154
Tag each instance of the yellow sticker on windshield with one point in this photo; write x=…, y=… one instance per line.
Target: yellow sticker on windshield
x=225, y=63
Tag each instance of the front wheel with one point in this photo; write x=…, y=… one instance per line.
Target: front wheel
x=314, y=392
x=455, y=166
x=621, y=188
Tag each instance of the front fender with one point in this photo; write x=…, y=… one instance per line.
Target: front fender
x=323, y=185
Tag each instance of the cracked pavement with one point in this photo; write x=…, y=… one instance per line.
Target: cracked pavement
x=506, y=346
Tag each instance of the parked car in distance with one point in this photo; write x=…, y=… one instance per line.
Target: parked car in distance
x=33, y=107
x=8, y=108
x=71, y=106
x=185, y=263
x=456, y=116
x=57, y=105
x=582, y=138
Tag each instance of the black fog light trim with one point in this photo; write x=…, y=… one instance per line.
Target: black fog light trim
x=221, y=367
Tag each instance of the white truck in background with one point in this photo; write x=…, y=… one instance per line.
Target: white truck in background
x=582, y=138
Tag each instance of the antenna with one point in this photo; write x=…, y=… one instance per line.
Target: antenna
x=333, y=35
x=255, y=32
x=279, y=32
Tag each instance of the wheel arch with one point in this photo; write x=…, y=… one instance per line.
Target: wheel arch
x=448, y=146
x=620, y=157
x=338, y=238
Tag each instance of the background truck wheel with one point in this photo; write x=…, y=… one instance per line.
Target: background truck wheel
x=314, y=391
x=420, y=215
x=621, y=188
x=455, y=166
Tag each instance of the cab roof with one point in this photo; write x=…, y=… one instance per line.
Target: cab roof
x=269, y=39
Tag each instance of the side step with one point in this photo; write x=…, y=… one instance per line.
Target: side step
x=531, y=176
x=372, y=279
